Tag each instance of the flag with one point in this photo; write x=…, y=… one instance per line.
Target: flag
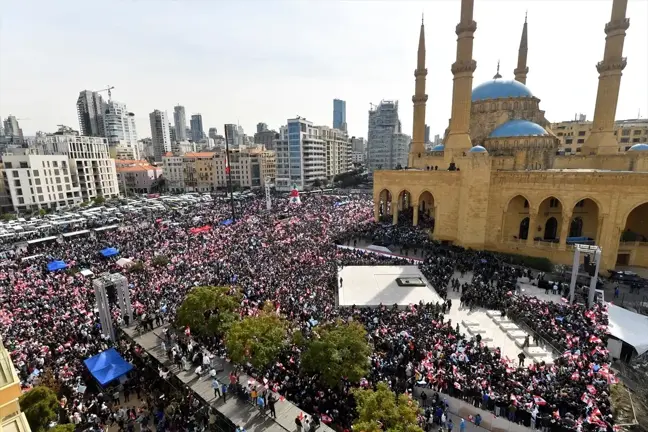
x=539, y=401
x=227, y=165
x=591, y=389
x=187, y=331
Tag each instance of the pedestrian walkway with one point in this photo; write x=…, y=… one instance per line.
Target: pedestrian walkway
x=238, y=412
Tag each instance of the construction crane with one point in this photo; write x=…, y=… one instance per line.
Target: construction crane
x=108, y=90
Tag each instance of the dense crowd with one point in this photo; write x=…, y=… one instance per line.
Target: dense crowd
x=289, y=256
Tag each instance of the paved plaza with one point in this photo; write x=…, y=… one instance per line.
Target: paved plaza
x=240, y=413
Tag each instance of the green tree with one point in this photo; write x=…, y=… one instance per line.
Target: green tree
x=40, y=406
x=340, y=349
x=69, y=427
x=381, y=411
x=136, y=267
x=99, y=199
x=160, y=260
x=42, y=212
x=209, y=310
x=257, y=340
x=8, y=216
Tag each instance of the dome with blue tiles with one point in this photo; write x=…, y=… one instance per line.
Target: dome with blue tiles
x=639, y=147
x=500, y=89
x=518, y=128
x=478, y=149
x=438, y=148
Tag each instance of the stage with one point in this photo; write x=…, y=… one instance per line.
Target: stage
x=370, y=286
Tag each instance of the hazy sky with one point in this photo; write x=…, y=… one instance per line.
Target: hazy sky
x=249, y=61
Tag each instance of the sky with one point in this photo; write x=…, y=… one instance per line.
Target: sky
x=250, y=61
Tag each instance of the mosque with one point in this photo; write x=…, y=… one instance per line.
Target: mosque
x=498, y=183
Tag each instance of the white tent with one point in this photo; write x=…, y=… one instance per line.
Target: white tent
x=630, y=327
x=124, y=262
x=86, y=272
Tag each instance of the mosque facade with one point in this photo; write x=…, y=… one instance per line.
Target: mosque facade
x=498, y=181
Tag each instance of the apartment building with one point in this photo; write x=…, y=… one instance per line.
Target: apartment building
x=136, y=176
x=574, y=133
x=37, y=181
x=173, y=171
x=338, y=151
x=160, y=134
x=249, y=167
x=199, y=171
x=11, y=419
x=301, y=155
x=387, y=146
x=120, y=130
x=89, y=158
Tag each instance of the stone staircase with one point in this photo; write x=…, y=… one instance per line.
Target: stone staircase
x=517, y=335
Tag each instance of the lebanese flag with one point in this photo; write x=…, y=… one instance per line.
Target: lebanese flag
x=575, y=376
x=187, y=331
x=594, y=339
x=227, y=165
x=326, y=419
x=539, y=401
x=591, y=389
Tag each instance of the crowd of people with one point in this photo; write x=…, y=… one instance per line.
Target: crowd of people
x=290, y=256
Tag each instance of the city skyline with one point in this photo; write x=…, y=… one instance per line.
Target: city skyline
x=347, y=63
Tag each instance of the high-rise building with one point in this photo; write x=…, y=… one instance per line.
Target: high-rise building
x=266, y=138
x=197, y=131
x=90, y=109
x=261, y=127
x=358, y=150
x=12, y=130
x=339, y=114
x=180, y=123
x=213, y=133
x=427, y=134
x=338, y=150
x=160, y=135
x=573, y=134
x=387, y=146
x=172, y=133
x=301, y=155
x=232, y=135
x=119, y=127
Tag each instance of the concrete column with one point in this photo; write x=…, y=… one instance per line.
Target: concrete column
x=416, y=214
x=384, y=207
x=394, y=206
x=533, y=221
x=376, y=211
x=564, y=228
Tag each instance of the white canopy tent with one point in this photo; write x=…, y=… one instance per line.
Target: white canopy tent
x=628, y=326
x=124, y=262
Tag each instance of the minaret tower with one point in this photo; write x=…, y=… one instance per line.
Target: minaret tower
x=417, y=149
x=602, y=139
x=522, y=70
x=458, y=138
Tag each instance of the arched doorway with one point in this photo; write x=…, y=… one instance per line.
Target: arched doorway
x=384, y=200
x=585, y=221
x=576, y=227
x=551, y=210
x=405, y=211
x=426, y=210
x=551, y=229
x=516, y=211
x=523, y=232
x=634, y=238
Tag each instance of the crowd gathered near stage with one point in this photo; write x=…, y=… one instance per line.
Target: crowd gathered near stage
x=290, y=256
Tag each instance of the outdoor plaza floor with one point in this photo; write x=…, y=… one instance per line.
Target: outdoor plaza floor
x=237, y=411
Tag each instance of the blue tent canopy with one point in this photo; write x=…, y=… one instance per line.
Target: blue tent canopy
x=56, y=265
x=108, y=252
x=227, y=222
x=107, y=366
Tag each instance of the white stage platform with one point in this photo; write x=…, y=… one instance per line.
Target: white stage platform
x=373, y=285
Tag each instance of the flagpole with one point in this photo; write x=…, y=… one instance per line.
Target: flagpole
x=228, y=171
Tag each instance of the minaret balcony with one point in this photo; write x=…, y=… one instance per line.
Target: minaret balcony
x=420, y=72
x=611, y=65
x=419, y=99
x=521, y=70
x=461, y=66
x=621, y=24
x=466, y=27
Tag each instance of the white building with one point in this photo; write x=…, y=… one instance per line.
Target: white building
x=90, y=108
x=173, y=172
x=387, y=146
x=89, y=158
x=358, y=150
x=338, y=151
x=161, y=138
x=182, y=147
x=40, y=181
x=301, y=155
x=180, y=123
x=249, y=167
x=119, y=126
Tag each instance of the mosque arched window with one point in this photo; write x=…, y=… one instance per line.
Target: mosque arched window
x=505, y=105
x=515, y=105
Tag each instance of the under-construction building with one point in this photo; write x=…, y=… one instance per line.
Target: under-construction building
x=387, y=146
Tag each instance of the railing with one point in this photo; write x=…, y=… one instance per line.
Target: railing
x=525, y=326
x=535, y=243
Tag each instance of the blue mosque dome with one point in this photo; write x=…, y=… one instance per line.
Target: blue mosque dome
x=500, y=89
x=517, y=128
x=478, y=149
x=438, y=148
x=639, y=147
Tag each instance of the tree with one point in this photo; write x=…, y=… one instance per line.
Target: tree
x=8, y=216
x=160, y=260
x=42, y=212
x=49, y=380
x=381, y=411
x=136, y=267
x=209, y=310
x=99, y=199
x=257, y=340
x=63, y=428
x=341, y=350
x=317, y=183
x=39, y=405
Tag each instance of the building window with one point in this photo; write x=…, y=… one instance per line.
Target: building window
x=625, y=140
x=625, y=132
x=569, y=141
x=580, y=203
x=581, y=141
x=581, y=133
x=636, y=140
x=553, y=203
x=14, y=173
x=636, y=132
